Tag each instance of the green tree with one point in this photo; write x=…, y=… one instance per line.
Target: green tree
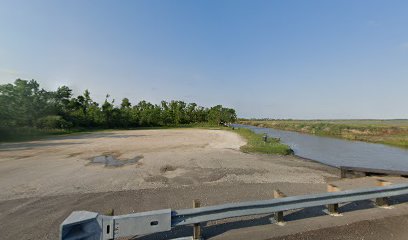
x=219, y=115
x=24, y=104
x=108, y=112
x=126, y=113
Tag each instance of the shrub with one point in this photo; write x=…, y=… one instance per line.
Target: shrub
x=53, y=122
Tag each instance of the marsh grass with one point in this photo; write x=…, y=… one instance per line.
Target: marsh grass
x=390, y=132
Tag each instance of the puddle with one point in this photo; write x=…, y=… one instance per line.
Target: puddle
x=112, y=161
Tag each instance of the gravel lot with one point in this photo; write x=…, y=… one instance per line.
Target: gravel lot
x=42, y=182
x=164, y=158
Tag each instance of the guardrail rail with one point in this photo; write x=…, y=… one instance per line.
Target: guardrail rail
x=91, y=225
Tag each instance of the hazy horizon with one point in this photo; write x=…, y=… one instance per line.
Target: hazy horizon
x=279, y=60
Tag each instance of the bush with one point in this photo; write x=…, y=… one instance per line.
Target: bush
x=26, y=133
x=53, y=122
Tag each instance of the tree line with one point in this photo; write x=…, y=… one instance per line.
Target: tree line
x=24, y=104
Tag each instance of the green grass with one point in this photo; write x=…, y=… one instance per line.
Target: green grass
x=30, y=134
x=256, y=144
x=390, y=132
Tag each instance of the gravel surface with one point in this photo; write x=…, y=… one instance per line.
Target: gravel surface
x=42, y=182
x=386, y=228
x=151, y=159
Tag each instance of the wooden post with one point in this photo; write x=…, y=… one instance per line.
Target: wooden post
x=333, y=208
x=111, y=212
x=196, y=226
x=278, y=216
x=382, y=183
x=343, y=173
x=383, y=201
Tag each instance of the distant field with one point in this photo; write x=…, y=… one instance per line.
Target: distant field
x=390, y=132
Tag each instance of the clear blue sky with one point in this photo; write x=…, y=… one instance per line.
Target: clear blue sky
x=278, y=59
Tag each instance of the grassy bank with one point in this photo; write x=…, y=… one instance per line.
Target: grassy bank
x=390, y=132
x=257, y=144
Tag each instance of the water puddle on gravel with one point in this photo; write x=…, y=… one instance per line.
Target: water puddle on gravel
x=112, y=161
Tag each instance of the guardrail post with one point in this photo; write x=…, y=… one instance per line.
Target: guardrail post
x=383, y=201
x=278, y=216
x=196, y=227
x=111, y=212
x=343, y=173
x=333, y=208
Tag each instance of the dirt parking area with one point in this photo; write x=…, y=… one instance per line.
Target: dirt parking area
x=140, y=159
x=42, y=182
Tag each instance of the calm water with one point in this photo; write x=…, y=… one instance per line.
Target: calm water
x=338, y=152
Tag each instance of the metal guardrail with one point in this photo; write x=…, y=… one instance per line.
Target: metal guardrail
x=90, y=225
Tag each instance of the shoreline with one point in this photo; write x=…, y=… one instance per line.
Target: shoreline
x=334, y=136
x=317, y=162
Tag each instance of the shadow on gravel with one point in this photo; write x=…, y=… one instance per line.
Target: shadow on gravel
x=45, y=142
x=305, y=213
x=355, y=206
x=96, y=135
x=31, y=145
x=208, y=231
x=399, y=200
